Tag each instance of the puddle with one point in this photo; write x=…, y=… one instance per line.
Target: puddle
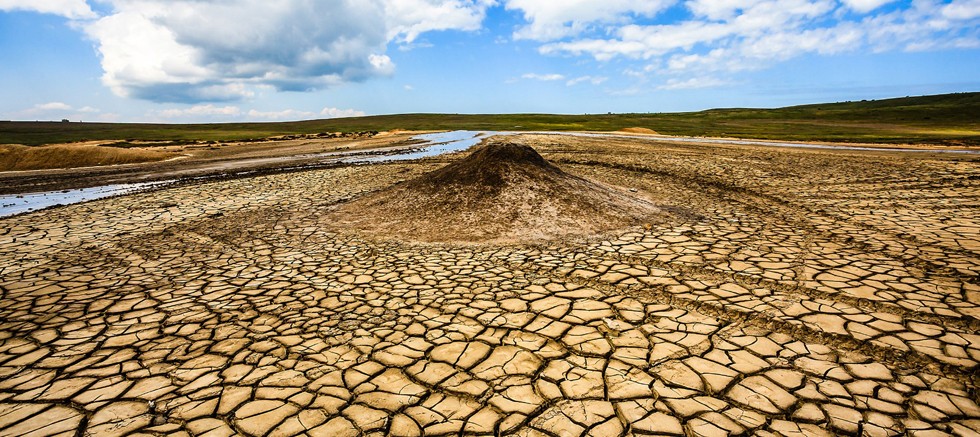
x=435, y=144
x=11, y=204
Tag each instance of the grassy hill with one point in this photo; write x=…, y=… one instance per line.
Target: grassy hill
x=952, y=119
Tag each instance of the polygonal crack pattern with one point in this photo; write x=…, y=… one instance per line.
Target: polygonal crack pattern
x=226, y=308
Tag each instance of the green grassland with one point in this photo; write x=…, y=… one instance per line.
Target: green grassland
x=949, y=119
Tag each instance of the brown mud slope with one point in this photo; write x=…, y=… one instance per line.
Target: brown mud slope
x=503, y=192
x=19, y=158
x=639, y=130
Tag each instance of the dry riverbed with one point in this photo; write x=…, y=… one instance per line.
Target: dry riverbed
x=180, y=161
x=779, y=292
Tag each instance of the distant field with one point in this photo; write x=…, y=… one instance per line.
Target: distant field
x=950, y=119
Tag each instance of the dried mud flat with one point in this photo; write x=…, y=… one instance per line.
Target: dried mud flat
x=786, y=292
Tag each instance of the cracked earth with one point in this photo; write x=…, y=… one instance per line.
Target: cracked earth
x=787, y=292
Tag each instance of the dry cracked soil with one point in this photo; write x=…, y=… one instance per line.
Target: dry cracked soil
x=778, y=292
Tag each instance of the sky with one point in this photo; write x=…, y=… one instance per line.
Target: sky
x=178, y=61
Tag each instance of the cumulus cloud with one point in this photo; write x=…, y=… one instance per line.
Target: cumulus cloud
x=549, y=20
x=692, y=83
x=341, y=113
x=55, y=111
x=53, y=106
x=194, y=51
x=200, y=51
x=594, y=80
x=407, y=19
x=962, y=10
x=201, y=111
x=926, y=26
x=739, y=21
x=227, y=112
x=286, y=114
x=738, y=35
x=866, y=5
x=73, y=9
x=543, y=77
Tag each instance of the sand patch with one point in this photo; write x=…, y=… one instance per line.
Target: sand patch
x=639, y=130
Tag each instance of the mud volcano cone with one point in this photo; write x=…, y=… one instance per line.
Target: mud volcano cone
x=502, y=192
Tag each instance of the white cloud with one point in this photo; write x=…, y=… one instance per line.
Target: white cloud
x=543, y=77
x=193, y=50
x=594, y=80
x=748, y=21
x=73, y=9
x=407, y=19
x=962, y=10
x=231, y=112
x=201, y=111
x=55, y=111
x=53, y=106
x=926, y=26
x=719, y=9
x=692, y=83
x=287, y=114
x=725, y=36
x=865, y=6
x=341, y=113
x=629, y=92
x=549, y=20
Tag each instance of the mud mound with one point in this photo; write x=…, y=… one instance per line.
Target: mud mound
x=502, y=192
x=639, y=130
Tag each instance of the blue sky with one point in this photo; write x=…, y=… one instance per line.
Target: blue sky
x=256, y=60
